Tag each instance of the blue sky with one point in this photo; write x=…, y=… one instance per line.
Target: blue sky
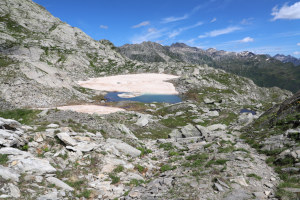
x=260, y=26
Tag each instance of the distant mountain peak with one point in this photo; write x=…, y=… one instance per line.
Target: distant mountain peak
x=179, y=45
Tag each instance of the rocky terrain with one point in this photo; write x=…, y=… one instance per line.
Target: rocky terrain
x=218, y=143
x=264, y=70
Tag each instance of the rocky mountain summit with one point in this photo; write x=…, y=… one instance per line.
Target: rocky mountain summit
x=264, y=70
x=227, y=139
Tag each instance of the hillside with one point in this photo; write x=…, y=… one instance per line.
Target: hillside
x=264, y=70
x=280, y=142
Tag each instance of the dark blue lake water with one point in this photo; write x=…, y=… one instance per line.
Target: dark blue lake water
x=145, y=98
x=244, y=110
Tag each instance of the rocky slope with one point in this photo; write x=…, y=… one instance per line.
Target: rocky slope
x=277, y=134
x=43, y=57
x=264, y=70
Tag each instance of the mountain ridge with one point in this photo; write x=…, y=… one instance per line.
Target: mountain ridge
x=262, y=69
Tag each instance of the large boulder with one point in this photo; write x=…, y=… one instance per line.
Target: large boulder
x=123, y=147
x=190, y=131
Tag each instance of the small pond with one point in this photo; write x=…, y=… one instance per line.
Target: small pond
x=145, y=98
x=244, y=110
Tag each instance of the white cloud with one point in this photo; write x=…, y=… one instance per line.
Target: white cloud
x=218, y=32
x=287, y=12
x=151, y=30
x=144, y=23
x=246, y=40
x=247, y=21
x=298, y=44
x=297, y=52
x=150, y=36
x=213, y=20
x=174, y=19
x=178, y=31
x=103, y=27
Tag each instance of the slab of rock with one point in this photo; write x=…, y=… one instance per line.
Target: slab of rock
x=218, y=187
x=238, y=194
x=14, y=191
x=240, y=180
x=49, y=196
x=14, y=151
x=53, y=126
x=143, y=120
x=204, y=131
x=126, y=130
x=259, y=195
x=175, y=134
x=208, y=101
x=213, y=113
x=83, y=146
x=32, y=164
x=217, y=127
x=124, y=147
x=9, y=123
x=59, y=183
x=9, y=174
x=190, y=131
x=65, y=137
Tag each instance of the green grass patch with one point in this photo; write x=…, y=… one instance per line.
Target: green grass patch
x=85, y=194
x=144, y=151
x=3, y=159
x=167, y=168
x=24, y=116
x=254, y=176
x=118, y=169
x=136, y=182
x=114, y=179
x=76, y=184
x=166, y=146
x=140, y=168
x=216, y=162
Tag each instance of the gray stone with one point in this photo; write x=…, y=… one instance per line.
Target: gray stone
x=65, y=137
x=208, y=101
x=143, y=120
x=290, y=169
x=59, y=183
x=217, y=127
x=259, y=195
x=190, y=131
x=9, y=174
x=213, y=113
x=31, y=164
x=53, y=126
x=126, y=130
x=218, y=187
x=238, y=194
x=14, y=151
x=175, y=134
x=49, y=196
x=83, y=147
x=198, y=121
x=124, y=147
x=9, y=123
x=14, y=190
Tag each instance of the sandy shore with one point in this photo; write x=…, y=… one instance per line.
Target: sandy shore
x=91, y=109
x=134, y=83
